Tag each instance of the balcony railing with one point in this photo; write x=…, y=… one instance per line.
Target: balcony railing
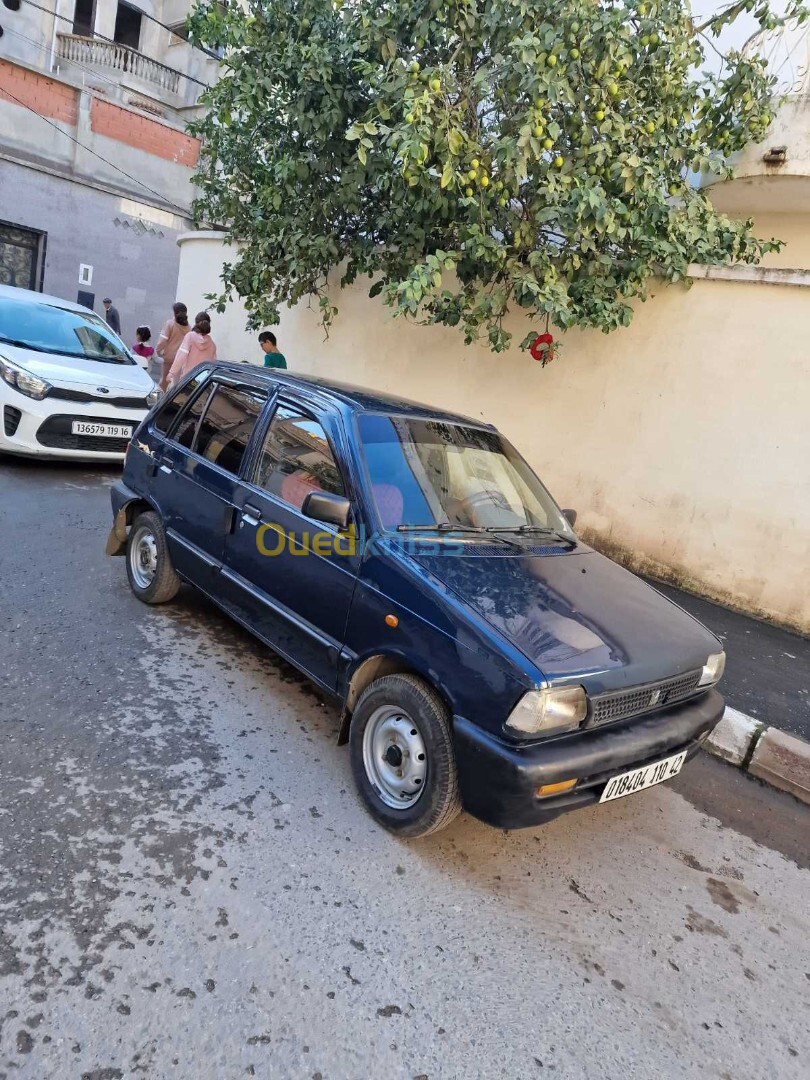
x=109, y=54
x=786, y=52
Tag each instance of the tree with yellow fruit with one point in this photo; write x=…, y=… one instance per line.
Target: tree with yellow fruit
x=472, y=156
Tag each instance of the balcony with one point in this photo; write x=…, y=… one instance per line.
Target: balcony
x=774, y=175
x=111, y=56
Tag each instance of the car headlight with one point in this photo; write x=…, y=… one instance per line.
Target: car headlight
x=713, y=669
x=546, y=712
x=30, y=385
x=154, y=396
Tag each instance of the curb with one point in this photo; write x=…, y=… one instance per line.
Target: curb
x=764, y=752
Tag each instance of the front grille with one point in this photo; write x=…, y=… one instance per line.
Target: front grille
x=622, y=704
x=81, y=395
x=56, y=432
x=11, y=420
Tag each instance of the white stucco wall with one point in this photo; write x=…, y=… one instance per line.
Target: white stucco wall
x=683, y=441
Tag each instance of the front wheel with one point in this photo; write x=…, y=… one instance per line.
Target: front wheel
x=402, y=756
x=151, y=575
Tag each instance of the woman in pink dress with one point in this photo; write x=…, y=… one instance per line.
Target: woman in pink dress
x=198, y=347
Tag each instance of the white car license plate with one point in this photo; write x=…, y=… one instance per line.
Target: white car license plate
x=109, y=431
x=629, y=783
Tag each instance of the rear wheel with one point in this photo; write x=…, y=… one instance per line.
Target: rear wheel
x=149, y=568
x=402, y=756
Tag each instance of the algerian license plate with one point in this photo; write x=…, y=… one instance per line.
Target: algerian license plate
x=110, y=431
x=638, y=779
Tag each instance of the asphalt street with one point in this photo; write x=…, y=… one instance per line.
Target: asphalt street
x=190, y=888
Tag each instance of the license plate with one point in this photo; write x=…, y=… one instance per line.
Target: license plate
x=109, y=431
x=629, y=783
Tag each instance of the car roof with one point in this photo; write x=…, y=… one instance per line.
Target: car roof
x=356, y=398
x=13, y=293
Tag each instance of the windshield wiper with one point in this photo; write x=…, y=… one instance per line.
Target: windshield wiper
x=525, y=530
x=448, y=527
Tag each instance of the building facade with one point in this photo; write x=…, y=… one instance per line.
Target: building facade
x=95, y=162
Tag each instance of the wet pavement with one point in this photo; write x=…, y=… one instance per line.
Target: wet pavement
x=190, y=888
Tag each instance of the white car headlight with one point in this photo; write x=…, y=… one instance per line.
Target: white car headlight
x=713, y=669
x=23, y=381
x=154, y=396
x=546, y=712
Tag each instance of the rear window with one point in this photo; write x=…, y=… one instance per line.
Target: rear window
x=169, y=410
x=227, y=425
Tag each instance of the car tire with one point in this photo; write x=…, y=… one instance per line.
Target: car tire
x=149, y=567
x=402, y=756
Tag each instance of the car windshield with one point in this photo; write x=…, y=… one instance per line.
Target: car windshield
x=440, y=474
x=49, y=328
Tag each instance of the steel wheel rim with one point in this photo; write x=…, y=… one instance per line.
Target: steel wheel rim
x=143, y=558
x=395, y=756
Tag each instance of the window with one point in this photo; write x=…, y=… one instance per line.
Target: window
x=44, y=326
x=84, y=17
x=128, y=27
x=228, y=424
x=22, y=256
x=430, y=472
x=296, y=458
x=165, y=416
x=187, y=428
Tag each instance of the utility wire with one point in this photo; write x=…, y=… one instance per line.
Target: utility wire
x=111, y=41
x=163, y=198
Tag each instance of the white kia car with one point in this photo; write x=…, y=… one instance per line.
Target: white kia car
x=69, y=387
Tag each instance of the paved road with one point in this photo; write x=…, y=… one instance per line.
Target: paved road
x=189, y=887
x=768, y=669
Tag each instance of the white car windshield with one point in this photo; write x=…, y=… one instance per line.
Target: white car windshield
x=443, y=475
x=49, y=328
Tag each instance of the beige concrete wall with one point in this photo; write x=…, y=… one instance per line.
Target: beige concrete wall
x=683, y=441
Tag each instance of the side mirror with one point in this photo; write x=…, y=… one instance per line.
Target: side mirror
x=327, y=507
x=571, y=517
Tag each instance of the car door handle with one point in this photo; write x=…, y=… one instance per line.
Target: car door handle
x=165, y=468
x=251, y=515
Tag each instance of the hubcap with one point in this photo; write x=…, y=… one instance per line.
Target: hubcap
x=143, y=558
x=394, y=756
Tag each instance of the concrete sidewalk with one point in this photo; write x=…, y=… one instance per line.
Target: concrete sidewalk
x=766, y=728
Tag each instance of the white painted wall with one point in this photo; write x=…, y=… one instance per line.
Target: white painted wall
x=683, y=441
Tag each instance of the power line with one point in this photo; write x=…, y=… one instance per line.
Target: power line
x=112, y=41
x=163, y=198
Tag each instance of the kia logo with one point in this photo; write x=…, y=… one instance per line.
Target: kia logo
x=102, y=389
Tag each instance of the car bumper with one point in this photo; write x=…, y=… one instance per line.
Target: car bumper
x=22, y=419
x=499, y=780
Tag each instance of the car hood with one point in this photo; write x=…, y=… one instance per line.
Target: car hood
x=84, y=374
x=577, y=615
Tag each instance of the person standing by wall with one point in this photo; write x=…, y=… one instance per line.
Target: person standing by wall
x=272, y=356
x=113, y=318
x=197, y=347
x=171, y=338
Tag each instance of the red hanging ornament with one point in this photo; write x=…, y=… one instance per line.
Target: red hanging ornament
x=543, y=348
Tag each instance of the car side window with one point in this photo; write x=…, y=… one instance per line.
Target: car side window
x=170, y=409
x=227, y=425
x=187, y=427
x=296, y=458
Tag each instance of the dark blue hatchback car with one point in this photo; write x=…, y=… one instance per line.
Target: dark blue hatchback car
x=411, y=563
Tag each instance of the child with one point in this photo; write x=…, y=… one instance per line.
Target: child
x=140, y=348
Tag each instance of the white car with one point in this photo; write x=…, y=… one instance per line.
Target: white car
x=69, y=387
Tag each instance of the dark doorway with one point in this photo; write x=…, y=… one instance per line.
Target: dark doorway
x=84, y=17
x=128, y=26
x=22, y=256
